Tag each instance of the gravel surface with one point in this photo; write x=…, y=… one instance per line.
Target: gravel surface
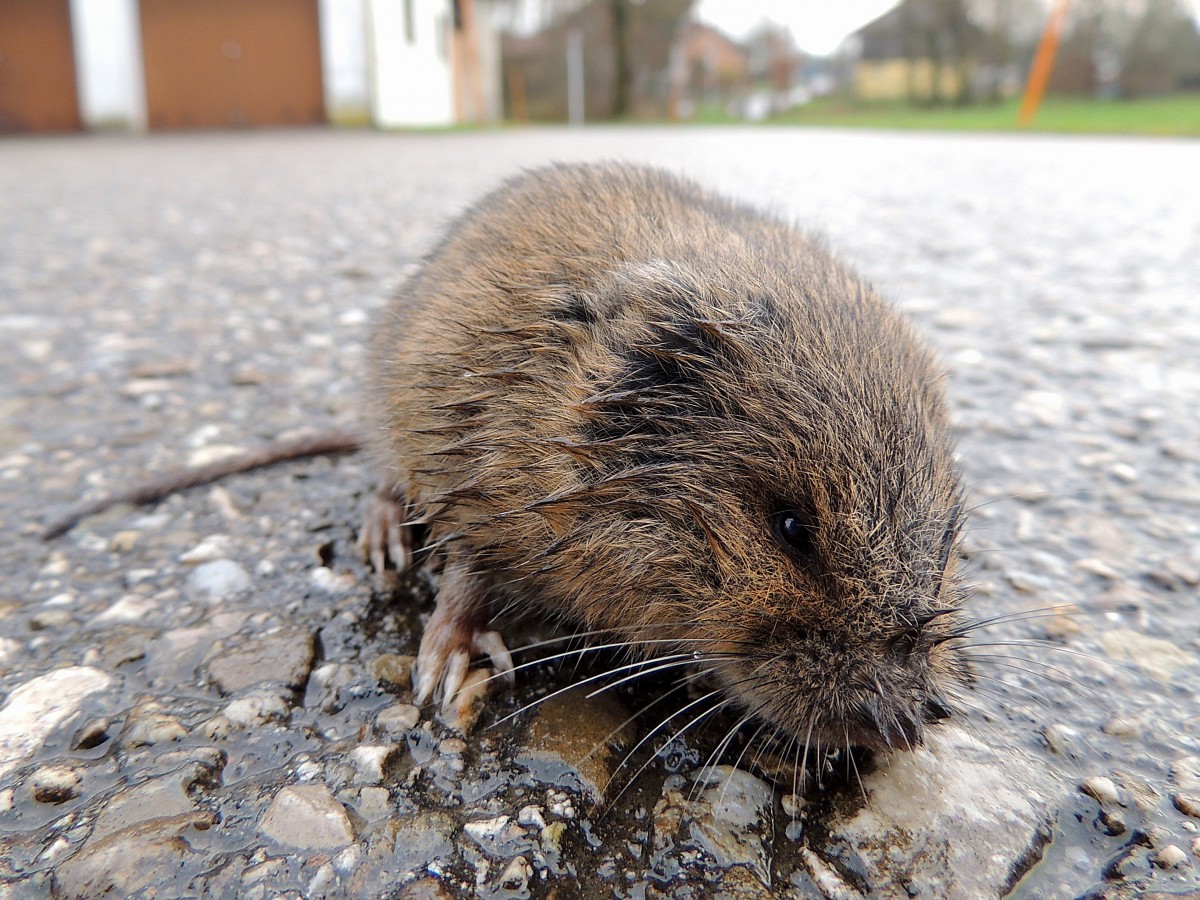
x=212, y=696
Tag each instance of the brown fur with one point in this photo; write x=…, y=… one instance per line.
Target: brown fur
x=602, y=386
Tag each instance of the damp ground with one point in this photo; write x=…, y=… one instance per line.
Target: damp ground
x=211, y=695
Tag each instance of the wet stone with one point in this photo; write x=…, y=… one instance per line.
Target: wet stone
x=217, y=579
x=1169, y=857
x=307, y=816
x=376, y=763
x=256, y=708
x=571, y=739
x=1154, y=656
x=283, y=656
x=394, y=670
x=947, y=818
x=1185, y=773
x=135, y=859
x=149, y=724
x=425, y=889
x=468, y=702
x=1188, y=804
x=1102, y=789
x=414, y=843
x=165, y=797
x=55, y=784
x=397, y=719
x=724, y=820
x=35, y=709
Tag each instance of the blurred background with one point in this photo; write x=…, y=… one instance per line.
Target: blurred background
x=72, y=65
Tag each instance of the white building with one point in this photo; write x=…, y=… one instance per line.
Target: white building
x=218, y=63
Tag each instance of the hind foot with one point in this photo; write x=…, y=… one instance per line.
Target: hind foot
x=456, y=633
x=385, y=532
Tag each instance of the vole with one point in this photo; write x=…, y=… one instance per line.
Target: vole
x=670, y=418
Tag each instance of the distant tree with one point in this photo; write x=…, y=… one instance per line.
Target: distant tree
x=627, y=55
x=1163, y=52
x=1009, y=30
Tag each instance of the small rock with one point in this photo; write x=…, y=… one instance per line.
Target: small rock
x=55, y=784
x=35, y=709
x=468, y=702
x=1169, y=857
x=1154, y=656
x=256, y=708
x=916, y=815
x=166, y=797
x=307, y=816
x=1098, y=567
x=1062, y=740
x=1185, y=773
x=420, y=841
x=213, y=548
x=727, y=816
x=376, y=762
x=572, y=737
x=516, y=875
x=326, y=684
x=793, y=805
x=1121, y=727
x=320, y=881
x=202, y=456
x=487, y=831
x=217, y=579
x=9, y=648
x=374, y=803
x=50, y=620
x=452, y=747
x=282, y=656
x=394, y=669
x=397, y=719
x=1187, y=804
x=1103, y=789
x=147, y=725
x=133, y=861
x=1113, y=822
x=91, y=735
x=332, y=582
x=128, y=609
x=425, y=889
x=532, y=816
x=124, y=541
x=134, y=577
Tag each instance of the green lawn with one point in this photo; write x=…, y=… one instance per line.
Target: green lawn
x=1177, y=115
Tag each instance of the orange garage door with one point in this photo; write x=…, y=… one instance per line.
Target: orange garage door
x=222, y=63
x=37, y=70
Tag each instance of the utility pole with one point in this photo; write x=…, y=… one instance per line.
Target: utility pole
x=1043, y=63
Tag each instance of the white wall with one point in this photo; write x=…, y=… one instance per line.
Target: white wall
x=108, y=63
x=411, y=81
x=344, y=61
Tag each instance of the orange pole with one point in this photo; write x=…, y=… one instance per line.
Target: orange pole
x=1043, y=64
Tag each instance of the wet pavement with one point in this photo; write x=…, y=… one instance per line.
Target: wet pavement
x=210, y=696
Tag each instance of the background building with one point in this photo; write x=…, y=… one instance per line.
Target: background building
x=162, y=64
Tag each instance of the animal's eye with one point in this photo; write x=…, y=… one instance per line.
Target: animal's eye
x=795, y=531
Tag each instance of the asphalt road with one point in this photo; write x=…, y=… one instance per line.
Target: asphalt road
x=201, y=691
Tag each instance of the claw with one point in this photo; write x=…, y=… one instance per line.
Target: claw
x=455, y=634
x=385, y=533
x=491, y=643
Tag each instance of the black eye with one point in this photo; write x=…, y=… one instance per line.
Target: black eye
x=795, y=531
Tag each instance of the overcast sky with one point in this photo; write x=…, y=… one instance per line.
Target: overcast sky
x=818, y=25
